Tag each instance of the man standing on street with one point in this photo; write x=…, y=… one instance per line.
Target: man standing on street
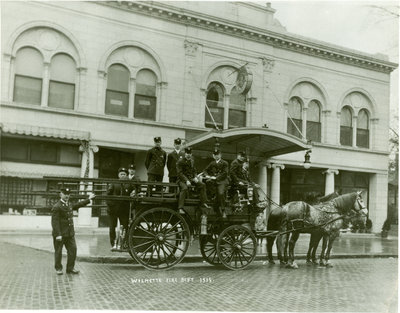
x=119, y=209
x=155, y=162
x=173, y=157
x=63, y=230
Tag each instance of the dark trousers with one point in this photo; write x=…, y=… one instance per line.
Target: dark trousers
x=200, y=187
x=173, y=179
x=156, y=178
x=115, y=214
x=220, y=196
x=70, y=245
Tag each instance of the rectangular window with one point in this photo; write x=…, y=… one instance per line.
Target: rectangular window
x=14, y=149
x=237, y=118
x=61, y=95
x=27, y=89
x=314, y=131
x=291, y=129
x=145, y=107
x=346, y=136
x=117, y=103
x=69, y=154
x=362, y=138
x=43, y=152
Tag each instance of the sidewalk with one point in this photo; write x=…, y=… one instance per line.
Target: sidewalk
x=93, y=246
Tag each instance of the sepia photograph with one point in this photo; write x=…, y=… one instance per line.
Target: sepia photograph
x=199, y=156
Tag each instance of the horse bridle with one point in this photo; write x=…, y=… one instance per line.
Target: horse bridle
x=361, y=206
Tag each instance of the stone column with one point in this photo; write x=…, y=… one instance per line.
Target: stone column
x=80, y=94
x=372, y=133
x=354, y=125
x=338, y=128
x=131, y=102
x=276, y=182
x=263, y=182
x=226, y=111
x=8, y=80
x=378, y=204
x=330, y=180
x=325, y=127
x=45, y=85
x=304, y=123
x=87, y=170
x=101, y=92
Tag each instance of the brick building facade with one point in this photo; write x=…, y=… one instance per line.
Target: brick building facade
x=87, y=85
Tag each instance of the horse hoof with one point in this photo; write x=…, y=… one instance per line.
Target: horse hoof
x=328, y=265
x=271, y=261
x=295, y=266
x=309, y=262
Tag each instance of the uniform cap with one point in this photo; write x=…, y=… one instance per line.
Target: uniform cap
x=122, y=169
x=157, y=139
x=177, y=141
x=242, y=154
x=132, y=166
x=65, y=191
x=188, y=150
x=216, y=151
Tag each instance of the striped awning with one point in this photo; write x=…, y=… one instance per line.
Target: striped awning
x=50, y=132
x=258, y=142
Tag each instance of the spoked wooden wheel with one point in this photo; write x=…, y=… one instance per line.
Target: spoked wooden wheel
x=159, y=238
x=236, y=247
x=208, y=248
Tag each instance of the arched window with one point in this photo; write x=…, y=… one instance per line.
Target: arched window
x=117, y=93
x=313, y=122
x=215, y=104
x=145, y=96
x=237, y=109
x=346, y=127
x=28, y=76
x=62, y=82
x=363, y=129
x=294, y=110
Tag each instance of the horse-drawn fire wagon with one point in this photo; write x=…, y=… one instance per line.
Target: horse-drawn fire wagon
x=159, y=233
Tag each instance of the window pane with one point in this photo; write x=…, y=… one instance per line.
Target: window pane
x=61, y=95
x=43, y=152
x=70, y=154
x=237, y=118
x=362, y=138
x=118, y=78
x=314, y=131
x=145, y=107
x=63, y=68
x=238, y=100
x=291, y=129
x=294, y=108
x=27, y=90
x=14, y=149
x=345, y=118
x=117, y=103
x=313, y=113
x=217, y=114
x=346, y=136
x=146, y=83
x=362, y=120
x=29, y=62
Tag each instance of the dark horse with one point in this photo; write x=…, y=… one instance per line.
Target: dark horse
x=325, y=219
x=275, y=221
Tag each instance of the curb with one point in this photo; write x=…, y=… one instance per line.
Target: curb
x=199, y=259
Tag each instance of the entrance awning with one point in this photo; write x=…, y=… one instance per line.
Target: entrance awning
x=257, y=142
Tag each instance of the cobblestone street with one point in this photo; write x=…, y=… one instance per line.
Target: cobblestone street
x=28, y=281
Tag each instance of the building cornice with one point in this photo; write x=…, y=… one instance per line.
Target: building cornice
x=285, y=41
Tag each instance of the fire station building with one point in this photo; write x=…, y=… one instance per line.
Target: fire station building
x=85, y=86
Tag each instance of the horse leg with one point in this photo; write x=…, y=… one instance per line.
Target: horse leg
x=328, y=252
x=317, y=239
x=270, y=244
x=284, y=243
x=292, y=244
x=310, y=248
x=323, y=249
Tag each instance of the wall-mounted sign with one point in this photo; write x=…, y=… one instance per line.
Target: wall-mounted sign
x=244, y=80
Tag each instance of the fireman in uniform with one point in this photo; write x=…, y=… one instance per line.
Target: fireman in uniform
x=119, y=209
x=236, y=169
x=217, y=173
x=173, y=157
x=155, y=162
x=63, y=230
x=186, y=172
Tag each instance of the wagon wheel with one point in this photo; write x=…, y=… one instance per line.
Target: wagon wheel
x=208, y=248
x=236, y=247
x=159, y=238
